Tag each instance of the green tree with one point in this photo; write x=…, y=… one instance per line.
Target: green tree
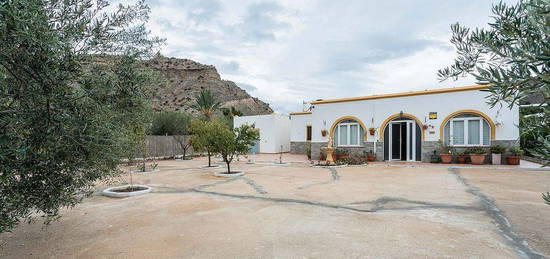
x=206, y=104
x=512, y=55
x=233, y=142
x=202, y=136
x=65, y=119
x=175, y=124
x=229, y=114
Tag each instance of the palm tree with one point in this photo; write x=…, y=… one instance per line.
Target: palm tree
x=206, y=103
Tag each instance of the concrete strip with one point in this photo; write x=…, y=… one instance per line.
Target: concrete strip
x=503, y=224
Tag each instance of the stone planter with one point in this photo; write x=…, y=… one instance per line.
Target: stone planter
x=446, y=158
x=231, y=175
x=512, y=160
x=496, y=158
x=116, y=192
x=461, y=159
x=477, y=159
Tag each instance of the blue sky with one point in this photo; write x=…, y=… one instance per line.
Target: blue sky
x=289, y=51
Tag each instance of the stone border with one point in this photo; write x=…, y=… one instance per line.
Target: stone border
x=110, y=192
x=210, y=167
x=224, y=174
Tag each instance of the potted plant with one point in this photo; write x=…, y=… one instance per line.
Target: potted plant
x=340, y=154
x=434, y=158
x=322, y=156
x=372, y=131
x=308, y=152
x=461, y=156
x=515, y=154
x=477, y=155
x=371, y=157
x=324, y=132
x=496, y=154
x=445, y=153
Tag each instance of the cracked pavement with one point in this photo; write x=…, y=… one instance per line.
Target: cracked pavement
x=301, y=211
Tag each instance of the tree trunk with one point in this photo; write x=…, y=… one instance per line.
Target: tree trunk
x=209, y=165
x=228, y=167
x=184, y=151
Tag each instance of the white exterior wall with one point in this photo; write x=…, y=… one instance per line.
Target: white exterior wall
x=274, y=131
x=378, y=110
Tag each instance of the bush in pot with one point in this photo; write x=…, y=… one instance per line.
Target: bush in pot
x=462, y=156
x=445, y=153
x=515, y=154
x=371, y=157
x=477, y=155
x=496, y=154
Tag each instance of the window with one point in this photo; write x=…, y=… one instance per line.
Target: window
x=467, y=130
x=347, y=133
x=308, y=133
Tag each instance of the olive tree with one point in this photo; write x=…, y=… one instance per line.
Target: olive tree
x=233, y=142
x=65, y=119
x=512, y=55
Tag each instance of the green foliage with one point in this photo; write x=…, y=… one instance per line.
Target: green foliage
x=476, y=150
x=512, y=56
x=206, y=103
x=170, y=123
x=203, y=134
x=516, y=151
x=444, y=148
x=233, y=142
x=546, y=198
x=497, y=149
x=65, y=120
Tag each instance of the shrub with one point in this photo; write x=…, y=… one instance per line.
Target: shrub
x=516, y=151
x=497, y=149
x=477, y=150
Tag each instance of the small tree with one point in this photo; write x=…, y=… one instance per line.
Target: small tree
x=202, y=135
x=230, y=143
x=175, y=124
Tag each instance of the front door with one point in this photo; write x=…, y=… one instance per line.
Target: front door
x=402, y=140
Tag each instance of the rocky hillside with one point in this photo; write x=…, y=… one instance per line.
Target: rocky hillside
x=186, y=78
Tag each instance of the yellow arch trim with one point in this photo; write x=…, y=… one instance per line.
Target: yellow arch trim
x=335, y=123
x=395, y=116
x=480, y=114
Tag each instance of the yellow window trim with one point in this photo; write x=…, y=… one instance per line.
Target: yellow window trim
x=478, y=113
x=395, y=116
x=335, y=123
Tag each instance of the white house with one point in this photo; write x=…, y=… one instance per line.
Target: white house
x=407, y=125
x=274, y=132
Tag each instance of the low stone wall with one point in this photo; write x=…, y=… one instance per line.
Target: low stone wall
x=299, y=147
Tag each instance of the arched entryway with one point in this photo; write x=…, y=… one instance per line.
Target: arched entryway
x=402, y=136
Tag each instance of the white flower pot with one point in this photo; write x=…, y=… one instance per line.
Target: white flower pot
x=496, y=159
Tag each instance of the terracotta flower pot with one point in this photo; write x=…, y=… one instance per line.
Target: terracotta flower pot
x=477, y=159
x=446, y=158
x=324, y=133
x=372, y=132
x=371, y=158
x=461, y=159
x=512, y=160
x=322, y=156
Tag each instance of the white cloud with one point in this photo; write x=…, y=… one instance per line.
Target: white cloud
x=286, y=51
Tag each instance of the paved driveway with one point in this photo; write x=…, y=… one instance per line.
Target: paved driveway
x=296, y=211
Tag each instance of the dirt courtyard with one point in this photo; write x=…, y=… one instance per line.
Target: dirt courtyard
x=298, y=211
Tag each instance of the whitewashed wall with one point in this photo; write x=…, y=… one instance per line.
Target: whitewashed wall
x=274, y=131
x=373, y=112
